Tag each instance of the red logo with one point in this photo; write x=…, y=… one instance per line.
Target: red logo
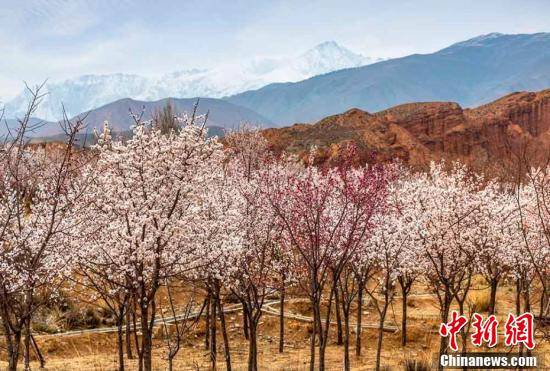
x=452, y=328
x=484, y=331
x=519, y=330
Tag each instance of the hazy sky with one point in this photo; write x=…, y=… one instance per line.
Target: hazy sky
x=57, y=39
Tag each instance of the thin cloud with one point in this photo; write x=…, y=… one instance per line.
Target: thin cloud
x=58, y=39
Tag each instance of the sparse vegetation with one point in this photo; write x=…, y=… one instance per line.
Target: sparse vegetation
x=480, y=301
x=414, y=364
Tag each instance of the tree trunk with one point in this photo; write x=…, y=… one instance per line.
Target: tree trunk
x=314, y=331
x=444, y=319
x=128, y=335
x=381, y=334
x=339, y=338
x=518, y=296
x=359, y=318
x=146, y=336
x=322, y=348
x=227, y=353
x=406, y=284
x=207, y=322
x=27, y=345
x=38, y=353
x=170, y=363
x=137, y=340
x=518, y=308
x=493, y=297
x=119, y=343
x=282, y=320
x=463, y=331
x=324, y=331
x=245, y=322
x=543, y=302
x=527, y=307
x=213, y=319
x=404, y=294
x=526, y=299
x=347, y=365
x=13, y=351
x=253, y=347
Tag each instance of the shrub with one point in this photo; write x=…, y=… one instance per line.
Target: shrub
x=480, y=301
x=417, y=365
x=43, y=327
x=83, y=318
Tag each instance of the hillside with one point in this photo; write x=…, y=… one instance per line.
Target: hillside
x=420, y=132
x=222, y=114
x=472, y=72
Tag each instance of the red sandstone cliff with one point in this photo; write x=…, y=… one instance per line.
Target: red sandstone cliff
x=420, y=132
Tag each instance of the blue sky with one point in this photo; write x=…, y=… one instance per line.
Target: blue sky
x=58, y=39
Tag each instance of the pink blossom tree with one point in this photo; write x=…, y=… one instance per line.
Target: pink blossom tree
x=221, y=239
x=325, y=214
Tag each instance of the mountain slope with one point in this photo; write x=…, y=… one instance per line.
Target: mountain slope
x=418, y=133
x=90, y=91
x=222, y=114
x=472, y=72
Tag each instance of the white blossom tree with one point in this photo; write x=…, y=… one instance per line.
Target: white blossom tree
x=533, y=200
x=445, y=199
x=39, y=190
x=494, y=236
x=259, y=258
x=147, y=194
x=399, y=235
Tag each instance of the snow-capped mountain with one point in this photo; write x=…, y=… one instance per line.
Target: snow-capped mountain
x=86, y=92
x=79, y=94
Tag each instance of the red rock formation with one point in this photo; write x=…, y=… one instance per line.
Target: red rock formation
x=420, y=132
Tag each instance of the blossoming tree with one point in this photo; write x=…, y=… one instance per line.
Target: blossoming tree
x=147, y=194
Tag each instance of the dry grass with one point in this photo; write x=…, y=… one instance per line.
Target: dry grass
x=98, y=352
x=417, y=364
x=480, y=300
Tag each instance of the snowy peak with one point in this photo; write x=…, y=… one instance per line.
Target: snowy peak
x=329, y=56
x=87, y=92
x=79, y=94
x=330, y=51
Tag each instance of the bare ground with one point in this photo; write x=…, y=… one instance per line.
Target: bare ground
x=96, y=351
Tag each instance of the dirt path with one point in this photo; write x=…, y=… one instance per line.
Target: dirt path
x=158, y=321
x=268, y=309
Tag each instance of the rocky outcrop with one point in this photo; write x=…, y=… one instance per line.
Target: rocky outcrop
x=420, y=132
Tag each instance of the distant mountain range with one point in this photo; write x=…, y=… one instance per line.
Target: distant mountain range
x=221, y=115
x=472, y=72
x=88, y=92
